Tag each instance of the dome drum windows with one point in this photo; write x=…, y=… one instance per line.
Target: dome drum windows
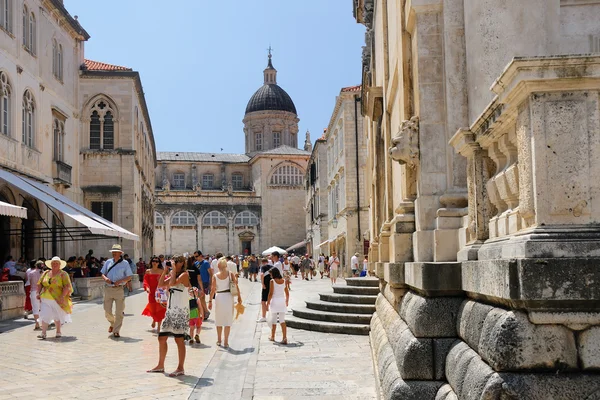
x=102, y=126
x=246, y=218
x=214, y=219
x=287, y=175
x=182, y=219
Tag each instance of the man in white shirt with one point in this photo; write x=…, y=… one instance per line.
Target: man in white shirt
x=231, y=266
x=295, y=264
x=276, y=263
x=354, y=264
x=215, y=261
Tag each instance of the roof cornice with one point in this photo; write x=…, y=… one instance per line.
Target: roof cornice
x=57, y=8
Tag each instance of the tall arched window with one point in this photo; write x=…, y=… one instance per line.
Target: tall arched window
x=287, y=175
x=29, y=30
x=158, y=219
x=6, y=14
x=59, y=139
x=28, y=119
x=102, y=126
x=5, y=92
x=183, y=218
x=214, y=218
x=246, y=218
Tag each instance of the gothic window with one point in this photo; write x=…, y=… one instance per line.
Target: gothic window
x=29, y=30
x=207, y=181
x=276, y=139
x=237, y=181
x=183, y=218
x=5, y=103
x=158, y=219
x=28, y=119
x=102, y=126
x=246, y=218
x=6, y=14
x=59, y=139
x=57, y=60
x=179, y=180
x=259, y=141
x=214, y=218
x=103, y=209
x=287, y=175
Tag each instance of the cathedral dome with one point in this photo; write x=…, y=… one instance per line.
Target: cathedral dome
x=270, y=97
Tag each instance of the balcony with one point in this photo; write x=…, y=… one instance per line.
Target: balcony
x=62, y=173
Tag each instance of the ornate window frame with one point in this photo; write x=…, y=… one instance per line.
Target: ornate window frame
x=102, y=123
x=28, y=119
x=5, y=104
x=286, y=174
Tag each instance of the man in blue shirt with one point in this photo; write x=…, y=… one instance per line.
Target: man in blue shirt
x=206, y=273
x=116, y=272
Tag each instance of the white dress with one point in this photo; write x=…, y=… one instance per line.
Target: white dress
x=177, y=318
x=277, y=307
x=223, y=303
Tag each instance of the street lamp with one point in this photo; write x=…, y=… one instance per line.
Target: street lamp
x=334, y=222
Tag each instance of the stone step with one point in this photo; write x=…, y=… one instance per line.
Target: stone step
x=370, y=282
x=329, y=327
x=358, y=290
x=328, y=316
x=347, y=298
x=341, y=307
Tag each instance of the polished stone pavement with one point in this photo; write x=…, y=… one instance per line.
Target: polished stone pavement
x=87, y=364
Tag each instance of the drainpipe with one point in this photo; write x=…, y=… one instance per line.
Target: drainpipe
x=357, y=99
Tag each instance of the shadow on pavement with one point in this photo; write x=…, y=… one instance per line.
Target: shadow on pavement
x=289, y=345
x=64, y=339
x=238, y=352
x=201, y=383
x=12, y=324
x=125, y=339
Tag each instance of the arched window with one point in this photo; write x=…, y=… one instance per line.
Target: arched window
x=214, y=218
x=28, y=119
x=246, y=218
x=25, y=25
x=6, y=14
x=287, y=175
x=237, y=180
x=158, y=219
x=259, y=141
x=102, y=126
x=5, y=92
x=60, y=62
x=29, y=30
x=183, y=218
x=59, y=139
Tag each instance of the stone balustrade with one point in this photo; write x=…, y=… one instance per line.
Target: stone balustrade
x=12, y=299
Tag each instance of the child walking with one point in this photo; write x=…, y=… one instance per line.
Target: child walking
x=279, y=297
x=196, y=316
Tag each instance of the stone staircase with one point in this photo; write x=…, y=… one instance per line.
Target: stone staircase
x=347, y=310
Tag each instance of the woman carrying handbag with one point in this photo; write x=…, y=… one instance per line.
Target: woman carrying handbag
x=224, y=287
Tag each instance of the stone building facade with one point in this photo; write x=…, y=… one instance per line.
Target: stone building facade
x=343, y=168
x=47, y=94
x=317, y=199
x=237, y=203
x=482, y=222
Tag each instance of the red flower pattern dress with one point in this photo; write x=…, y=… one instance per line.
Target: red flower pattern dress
x=153, y=309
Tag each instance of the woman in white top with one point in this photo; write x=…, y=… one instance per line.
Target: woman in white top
x=33, y=276
x=287, y=272
x=223, y=300
x=279, y=297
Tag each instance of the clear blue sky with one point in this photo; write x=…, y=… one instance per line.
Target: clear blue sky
x=200, y=61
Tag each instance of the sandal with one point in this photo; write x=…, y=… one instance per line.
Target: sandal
x=219, y=344
x=37, y=328
x=110, y=329
x=156, y=370
x=176, y=373
x=58, y=335
x=197, y=339
x=42, y=336
x=284, y=341
x=116, y=334
x=271, y=339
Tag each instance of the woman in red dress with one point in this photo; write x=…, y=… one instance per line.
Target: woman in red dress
x=153, y=309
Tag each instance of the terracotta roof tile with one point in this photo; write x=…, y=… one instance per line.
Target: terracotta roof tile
x=352, y=89
x=100, y=66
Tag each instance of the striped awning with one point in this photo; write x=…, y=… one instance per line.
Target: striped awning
x=12, y=211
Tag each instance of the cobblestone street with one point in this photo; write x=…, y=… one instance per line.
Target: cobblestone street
x=86, y=364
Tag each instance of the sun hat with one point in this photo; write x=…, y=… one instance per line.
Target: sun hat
x=116, y=248
x=63, y=263
x=356, y=254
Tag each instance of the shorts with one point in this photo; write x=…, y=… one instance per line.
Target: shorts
x=295, y=267
x=354, y=271
x=206, y=286
x=276, y=318
x=287, y=274
x=253, y=270
x=333, y=273
x=195, y=322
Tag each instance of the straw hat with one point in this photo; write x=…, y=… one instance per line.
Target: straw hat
x=116, y=248
x=63, y=263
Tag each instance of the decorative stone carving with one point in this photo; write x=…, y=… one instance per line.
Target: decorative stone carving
x=166, y=185
x=406, y=144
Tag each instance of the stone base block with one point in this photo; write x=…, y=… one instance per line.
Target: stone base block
x=423, y=245
x=472, y=379
x=379, y=271
x=90, y=288
x=393, y=274
x=393, y=295
x=589, y=348
x=401, y=247
x=434, y=279
x=542, y=283
x=446, y=245
x=508, y=341
x=430, y=316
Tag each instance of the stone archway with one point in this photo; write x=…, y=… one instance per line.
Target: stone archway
x=246, y=239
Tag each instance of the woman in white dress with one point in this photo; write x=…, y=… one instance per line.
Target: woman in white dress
x=176, y=321
x=279, y=297
x=224, y=300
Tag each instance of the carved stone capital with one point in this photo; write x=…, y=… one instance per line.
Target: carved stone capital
x=405, y=147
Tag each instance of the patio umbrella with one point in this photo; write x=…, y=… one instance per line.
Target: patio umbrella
x=273, y=249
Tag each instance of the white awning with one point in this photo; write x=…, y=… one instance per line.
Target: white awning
x=12, y=211
x=96, y=224
x=323, y=244
x=296, y=246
